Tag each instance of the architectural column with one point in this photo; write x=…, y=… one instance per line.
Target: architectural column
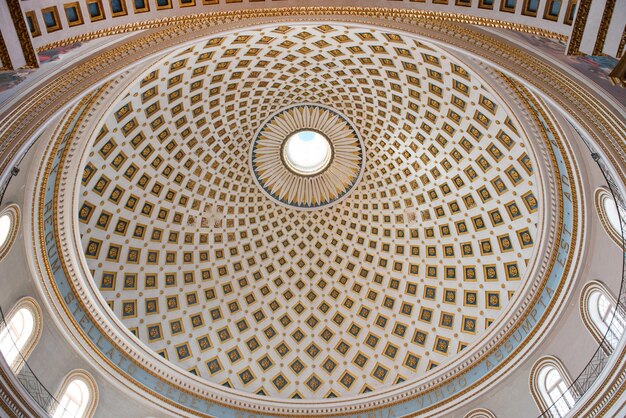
x=599, y=28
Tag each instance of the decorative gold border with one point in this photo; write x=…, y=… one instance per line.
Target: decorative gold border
x=124, y=11
x=622, y=44
x=33, y=18
x=144, y=9
x=5, y=58
x=562, y=145
x=546, y=11
x=23, y=33
x=57, y=18
x=483, y=5
x=526, y=12
x=92, y=18
x=571, y=8
x=504, y=8
x=79, y=13
x=579, y=27
x=243, y=14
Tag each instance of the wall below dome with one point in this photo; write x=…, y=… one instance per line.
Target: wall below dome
x=54, y=356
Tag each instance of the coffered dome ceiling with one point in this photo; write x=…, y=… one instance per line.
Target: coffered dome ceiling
x=388, y=267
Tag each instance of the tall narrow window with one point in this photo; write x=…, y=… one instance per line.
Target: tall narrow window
x=551, y=387
x=78, y=396
x=20, y=333
x=610, y=214
x=9, y=224
x=600, y=314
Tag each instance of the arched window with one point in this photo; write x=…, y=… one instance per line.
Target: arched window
x=9, y=224
x=77, y=396
x=551, y=387
x=600, y=314
x=609, y=214
x=21, y=332
x=480, y=413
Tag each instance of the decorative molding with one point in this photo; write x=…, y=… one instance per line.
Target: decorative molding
x=5, y=58
x=14, y=399
x=539, y=74
x=273, y=174
x=380, y=12
x=620, y=47
x=618, y=75
x=273, y=410
x=23, y=33
x=579, y=27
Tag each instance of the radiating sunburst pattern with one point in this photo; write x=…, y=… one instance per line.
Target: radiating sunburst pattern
x=282, y=183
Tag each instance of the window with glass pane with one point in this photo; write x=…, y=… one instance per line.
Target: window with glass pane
x=559, y=396
x=14, y=338
x=555, y=8
x=606, y=317
x=74, y=400
x=613, y=214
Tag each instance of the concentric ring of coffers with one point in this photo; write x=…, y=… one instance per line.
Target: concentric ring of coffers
x=208, y=270
x=332, y=164
x=387, y=255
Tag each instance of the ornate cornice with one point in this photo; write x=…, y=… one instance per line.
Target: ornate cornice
x=243, y=14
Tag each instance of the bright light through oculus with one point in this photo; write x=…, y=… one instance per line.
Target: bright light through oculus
x=307, y=152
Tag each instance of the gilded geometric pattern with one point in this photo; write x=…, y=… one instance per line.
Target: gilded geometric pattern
x=389, y=283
